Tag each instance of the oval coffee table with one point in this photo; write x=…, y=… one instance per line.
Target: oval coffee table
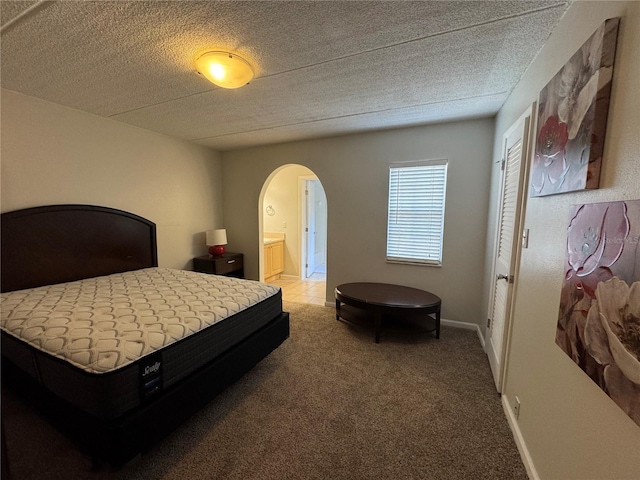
x=384, y=299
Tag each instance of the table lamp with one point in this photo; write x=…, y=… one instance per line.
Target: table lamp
x=216, y=240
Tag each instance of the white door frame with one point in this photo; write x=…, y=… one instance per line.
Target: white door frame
x=499, y=359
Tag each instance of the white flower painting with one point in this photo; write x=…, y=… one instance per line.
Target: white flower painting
x=572, y=118
x=599, y=319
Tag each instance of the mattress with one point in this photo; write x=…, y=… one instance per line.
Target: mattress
x=110, y=344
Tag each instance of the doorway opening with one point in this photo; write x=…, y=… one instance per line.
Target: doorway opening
x=293, y=230
x=313, y=228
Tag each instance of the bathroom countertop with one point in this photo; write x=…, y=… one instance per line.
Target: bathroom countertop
x=270, y=240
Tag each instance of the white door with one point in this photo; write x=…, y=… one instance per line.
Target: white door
x=310, y=228
x=507, y=244
x=320, y=227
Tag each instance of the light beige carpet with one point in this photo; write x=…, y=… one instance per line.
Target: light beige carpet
x=327, y=404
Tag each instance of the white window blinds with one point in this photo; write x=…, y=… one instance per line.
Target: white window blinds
x=415, y=225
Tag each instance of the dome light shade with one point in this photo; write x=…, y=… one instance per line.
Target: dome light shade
x=227, y=70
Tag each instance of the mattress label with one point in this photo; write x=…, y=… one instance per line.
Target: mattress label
x=150, y=368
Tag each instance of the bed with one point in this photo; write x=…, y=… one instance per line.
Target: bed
x=115, y=351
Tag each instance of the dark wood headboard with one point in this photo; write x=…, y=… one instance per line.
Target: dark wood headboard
x=62, y=243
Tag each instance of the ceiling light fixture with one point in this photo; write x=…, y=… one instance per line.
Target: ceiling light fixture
x=227, y=70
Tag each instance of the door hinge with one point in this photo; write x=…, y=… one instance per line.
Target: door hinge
x=502, y=164
x=488, y=322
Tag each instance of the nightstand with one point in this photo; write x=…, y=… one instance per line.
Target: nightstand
x=228, y=264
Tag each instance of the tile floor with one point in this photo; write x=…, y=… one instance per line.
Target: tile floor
x=311, y=290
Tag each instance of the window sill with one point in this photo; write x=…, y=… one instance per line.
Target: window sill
x=415, y=262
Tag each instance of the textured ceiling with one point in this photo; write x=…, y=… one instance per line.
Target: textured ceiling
x=322, y=68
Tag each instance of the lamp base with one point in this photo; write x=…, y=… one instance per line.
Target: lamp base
x=216, y=250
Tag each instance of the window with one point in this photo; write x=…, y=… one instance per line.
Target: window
x=415, y=224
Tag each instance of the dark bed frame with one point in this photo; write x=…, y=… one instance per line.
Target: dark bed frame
x=62, y=243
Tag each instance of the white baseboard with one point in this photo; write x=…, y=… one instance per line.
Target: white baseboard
x=289, y=277
x=466, y=326
x=443, y=321
x=520, y=443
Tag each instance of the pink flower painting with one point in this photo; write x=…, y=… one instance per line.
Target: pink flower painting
x=599, y=319
x=591, y=249
x=572, y=118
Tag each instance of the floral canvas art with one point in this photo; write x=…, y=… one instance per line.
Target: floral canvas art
x=572, y=118
x=599, y=320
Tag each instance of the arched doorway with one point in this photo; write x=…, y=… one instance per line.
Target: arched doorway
x=293, y=230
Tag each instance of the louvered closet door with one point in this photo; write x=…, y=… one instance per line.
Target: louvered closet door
x=507, y=239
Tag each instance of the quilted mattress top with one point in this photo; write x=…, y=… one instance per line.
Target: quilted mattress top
x=105, y=323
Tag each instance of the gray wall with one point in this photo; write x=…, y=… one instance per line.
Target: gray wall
x=53, y=154
x=354, y=173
